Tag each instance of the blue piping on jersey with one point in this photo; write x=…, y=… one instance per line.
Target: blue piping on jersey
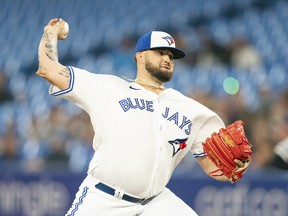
x=79, y=202
x=71, y=84
x=199, y=155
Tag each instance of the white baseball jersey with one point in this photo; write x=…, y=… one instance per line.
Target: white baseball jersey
x=140, y=137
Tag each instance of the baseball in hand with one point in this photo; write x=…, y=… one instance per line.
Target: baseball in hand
x=64, y=30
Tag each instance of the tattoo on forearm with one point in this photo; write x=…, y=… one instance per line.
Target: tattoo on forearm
x=51, y=50
x=65, y=72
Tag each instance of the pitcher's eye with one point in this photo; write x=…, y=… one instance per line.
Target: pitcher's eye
x=162, y=52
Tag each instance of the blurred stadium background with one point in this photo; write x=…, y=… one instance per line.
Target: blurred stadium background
x=236, y=65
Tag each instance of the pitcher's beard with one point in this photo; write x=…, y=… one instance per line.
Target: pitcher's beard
x=161, y=75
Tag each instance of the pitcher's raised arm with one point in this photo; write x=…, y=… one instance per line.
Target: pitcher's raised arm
x=49, y=67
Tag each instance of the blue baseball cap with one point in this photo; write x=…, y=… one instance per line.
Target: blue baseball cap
x=159, y=40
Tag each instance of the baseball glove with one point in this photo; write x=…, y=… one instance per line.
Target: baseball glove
x=224, y=147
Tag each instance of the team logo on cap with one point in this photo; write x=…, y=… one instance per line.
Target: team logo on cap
x=178, y=144
x=169, y=40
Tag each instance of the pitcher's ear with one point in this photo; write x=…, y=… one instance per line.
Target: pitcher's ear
x=139, y=57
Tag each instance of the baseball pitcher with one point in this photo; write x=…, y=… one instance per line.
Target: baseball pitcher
x=142, y=130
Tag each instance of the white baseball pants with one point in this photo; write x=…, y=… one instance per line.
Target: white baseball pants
x=89, y=201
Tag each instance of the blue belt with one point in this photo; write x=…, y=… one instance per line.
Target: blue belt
x=107, y=189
